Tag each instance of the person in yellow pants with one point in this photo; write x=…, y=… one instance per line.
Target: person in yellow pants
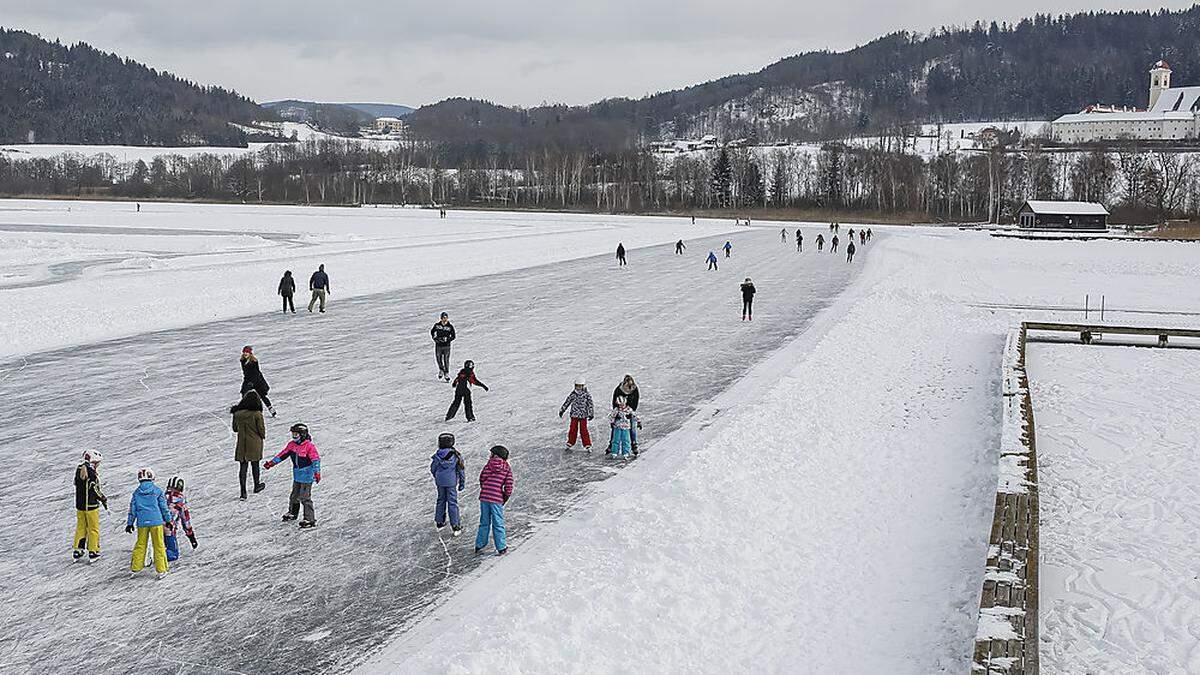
x=148, y=511
x=88, y=500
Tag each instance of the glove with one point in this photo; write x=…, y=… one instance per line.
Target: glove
x=192, y=540
x=104, y=503
x=639, y=424
x=128, y=529
x=560, y=414
x=317, y=476
x=268, y=464
x=461, y=487
x=485, y=388
x=591, y=417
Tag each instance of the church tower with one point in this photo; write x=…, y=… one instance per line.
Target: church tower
x=1160, y=80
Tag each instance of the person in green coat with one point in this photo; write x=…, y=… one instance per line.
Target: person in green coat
x=251, y=430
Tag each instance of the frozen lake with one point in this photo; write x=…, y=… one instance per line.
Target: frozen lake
x=260, y=596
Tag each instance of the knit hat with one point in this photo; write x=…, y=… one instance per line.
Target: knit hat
x=500, y=451
x=445, y=441
x=445, y=315
x=247, y=349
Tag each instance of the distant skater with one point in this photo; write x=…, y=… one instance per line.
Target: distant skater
x=799, y=242
x=712, y=260
x=252, y=377
x=621, y=254
x=693, y=220
x=287, y=288
x=139, y=208
x=820, y=243
x=869, y=234
x=443, y=334
x=862, y=237
x=748, y=300
x=833, y=244
x=462, y=391
x=318, y=283
x=728, y=247
x=850, y=251
x=783, y=236
x=679, y=247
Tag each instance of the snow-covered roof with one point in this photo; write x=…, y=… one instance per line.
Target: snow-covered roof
x=1177, y=99
x=1162, y=64
x=1146, y=116
x=1067, y=208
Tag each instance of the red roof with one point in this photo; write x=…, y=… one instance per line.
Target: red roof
x=1162, y=64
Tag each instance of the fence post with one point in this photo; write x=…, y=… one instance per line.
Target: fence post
x=1086, y=302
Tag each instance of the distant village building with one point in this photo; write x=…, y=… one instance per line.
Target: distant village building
x=1173, y=115
x=1050, y=215
x=707, y=142
x=389, y=125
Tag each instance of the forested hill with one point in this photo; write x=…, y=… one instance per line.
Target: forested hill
x=1038, y=68
x=53, y=93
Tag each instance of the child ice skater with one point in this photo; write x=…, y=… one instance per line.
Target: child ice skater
x=148, y=510
x=622, y=418
x=449, y=475
x=582, y=410
x=495, y=487
x=306, y=469
x=177, y=507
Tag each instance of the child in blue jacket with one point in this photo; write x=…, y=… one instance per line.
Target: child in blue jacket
x=449, y=475
x=148, y=510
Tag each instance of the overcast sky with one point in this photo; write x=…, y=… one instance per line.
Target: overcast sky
x=515, y=52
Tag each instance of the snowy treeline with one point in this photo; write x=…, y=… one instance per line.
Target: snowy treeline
x=881, y=177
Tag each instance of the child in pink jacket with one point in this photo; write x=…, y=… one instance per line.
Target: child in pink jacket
x=495, y=487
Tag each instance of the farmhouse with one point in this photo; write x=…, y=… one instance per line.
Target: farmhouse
x=1173, y=115
x=1047, y=215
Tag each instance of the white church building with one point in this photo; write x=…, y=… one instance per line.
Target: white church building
x=1174, y=114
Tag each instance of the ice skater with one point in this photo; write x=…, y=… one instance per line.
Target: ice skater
x=449, y=477
x=582, y=409
x=148, y=511
x=629, y=389
x=862, y=237
x=443, y=334
x=622, y=419
x=728, y=247
x=318, y=283
x=712, y=260
x=306, y=470
x=783, y=236
x=251, y=432
x=462, y=391
x=287, y=288
x=495, y=489
x=679, y=247
x=621, y=255
x=799, y=241
x=88, y=500
x=869, y=234
x=180, y=516
x=252, y=377
x=833, y=244
x=748, y=300
x=850, y=251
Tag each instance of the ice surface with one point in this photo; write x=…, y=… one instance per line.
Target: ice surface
x=263, y=597
x=1120, y=507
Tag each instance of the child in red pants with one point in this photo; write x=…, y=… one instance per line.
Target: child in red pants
x=582, y=410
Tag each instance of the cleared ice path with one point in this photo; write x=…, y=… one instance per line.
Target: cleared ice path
x=260, y=596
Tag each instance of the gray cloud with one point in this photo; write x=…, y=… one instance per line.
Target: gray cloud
x=518, y=52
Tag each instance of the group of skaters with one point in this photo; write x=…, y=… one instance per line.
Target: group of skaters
x=864, y=235
x=318, y=284
x=158, y=516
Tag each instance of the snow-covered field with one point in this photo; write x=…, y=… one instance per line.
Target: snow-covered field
x=1120, y=507
x=78, y=272
x=815, y=492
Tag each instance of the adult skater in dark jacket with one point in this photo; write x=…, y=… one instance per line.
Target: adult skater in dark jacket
x=621, y=254
x=462, y=391
x=747, y=300
x=287, y=288
x=318, y=283
x=443, y=334
x=799, y=241
x=679, y=247
x=252, y=377
x=833, y=244
x=850, y=251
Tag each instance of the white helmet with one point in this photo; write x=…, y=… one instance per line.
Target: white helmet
x=579, y=381
x=92, y=456
x=145, y=474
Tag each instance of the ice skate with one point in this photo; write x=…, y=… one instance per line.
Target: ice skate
x=305, y=524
